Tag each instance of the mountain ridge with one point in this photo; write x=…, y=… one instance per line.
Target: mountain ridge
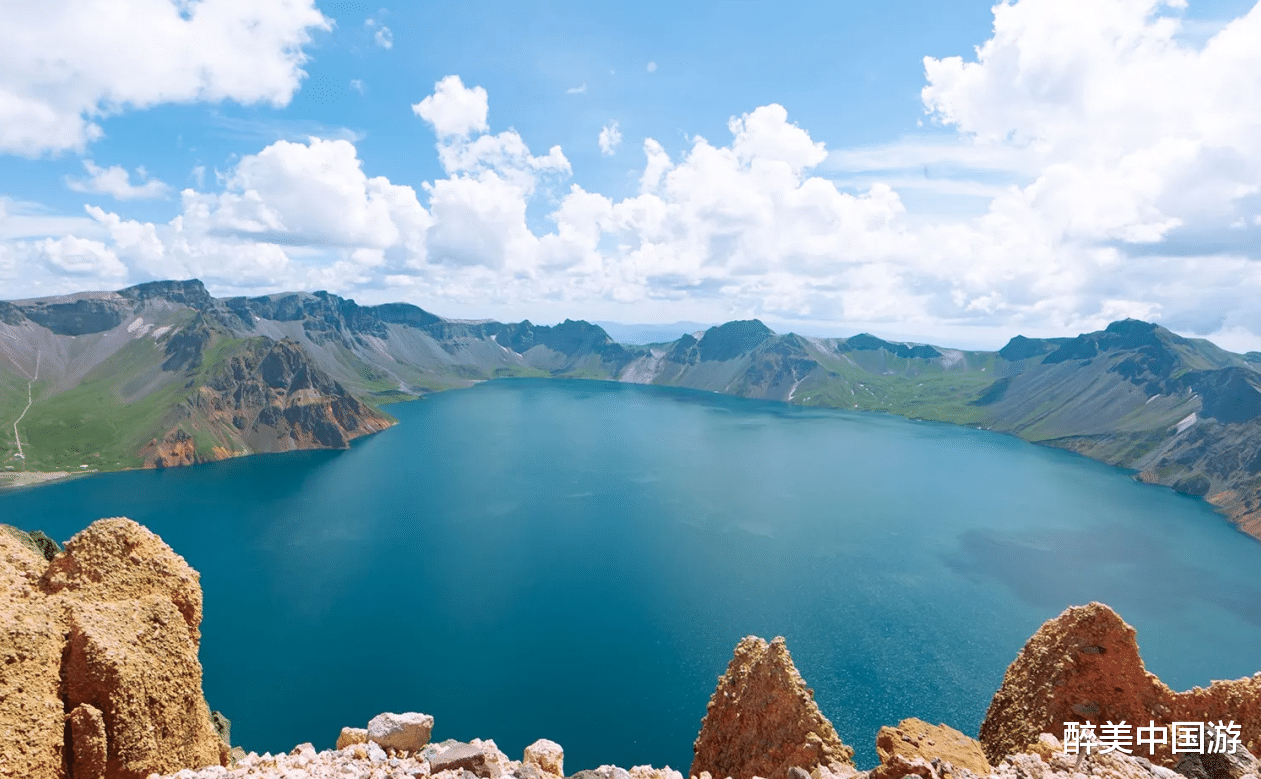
x=147, y=365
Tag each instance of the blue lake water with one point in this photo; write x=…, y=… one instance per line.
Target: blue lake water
x=576, y=561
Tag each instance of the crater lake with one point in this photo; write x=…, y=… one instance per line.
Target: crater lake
x=577, y=560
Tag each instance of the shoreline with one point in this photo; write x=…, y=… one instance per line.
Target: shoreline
x=1241, y=521
x=16, y=480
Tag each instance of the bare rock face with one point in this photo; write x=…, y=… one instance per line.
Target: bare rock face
x=762, y=719
x=31, y=709
x=87, y=735
x=1085, y=665
x=118, y=559
x=916, y=747
x=1082, y=665
x=134, y=661
x=107, y=631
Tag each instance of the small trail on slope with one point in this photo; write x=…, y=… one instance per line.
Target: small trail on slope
x=30, y=383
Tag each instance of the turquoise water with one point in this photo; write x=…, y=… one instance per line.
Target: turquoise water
x=577, y=560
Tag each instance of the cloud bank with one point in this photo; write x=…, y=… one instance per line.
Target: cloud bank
x=1140, y=157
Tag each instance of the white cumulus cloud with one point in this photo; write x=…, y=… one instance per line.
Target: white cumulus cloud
x=453, y=109
x=63, y=69
x=610, y=138
x=1141, y=133
x=116, y=182
x=80, y=257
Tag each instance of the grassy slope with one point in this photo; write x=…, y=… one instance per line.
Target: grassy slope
x=909, y=387
x=12, y=401
x=98, y=424
x=92, y=424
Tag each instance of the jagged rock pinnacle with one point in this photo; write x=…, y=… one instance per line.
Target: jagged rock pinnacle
x=763, y=720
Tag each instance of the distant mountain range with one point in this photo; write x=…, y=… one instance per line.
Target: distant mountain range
x=163, y=374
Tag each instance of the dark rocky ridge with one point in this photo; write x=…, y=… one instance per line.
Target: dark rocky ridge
x=1021, y=348
x=80, y=317
x=864, y=342
x=726, y=342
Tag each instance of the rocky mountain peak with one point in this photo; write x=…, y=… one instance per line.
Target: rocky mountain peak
x=730, y=340
x=191, y=293
x=868, y=342
x=1149, y=339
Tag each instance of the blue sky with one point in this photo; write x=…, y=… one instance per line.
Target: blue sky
x=942, y=171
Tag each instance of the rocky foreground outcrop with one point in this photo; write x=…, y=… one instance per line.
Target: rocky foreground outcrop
x=99, y=677
x=762, y=720
x=1084, y=665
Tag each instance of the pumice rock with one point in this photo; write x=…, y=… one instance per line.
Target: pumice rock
x=915, y=745
x=87, y=736
x=352, y=736
x=107, y=631
x=407, y=732
x=762, y=719
x=547, y=756
x=1084, y=665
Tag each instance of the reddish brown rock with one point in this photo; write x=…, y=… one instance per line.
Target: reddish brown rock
x=762, y=719
x=1084, y=665
x=916, y=747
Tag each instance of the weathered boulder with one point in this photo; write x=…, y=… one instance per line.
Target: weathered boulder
x=603, y=772
x=1084, y=665
x=762, y=719
x=1057, y=765
x=407, y=732
x=914, y=744
x=87, y=737
x=350, y=736
x=467, y=757
x=547, y=756
x=1219, y=766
